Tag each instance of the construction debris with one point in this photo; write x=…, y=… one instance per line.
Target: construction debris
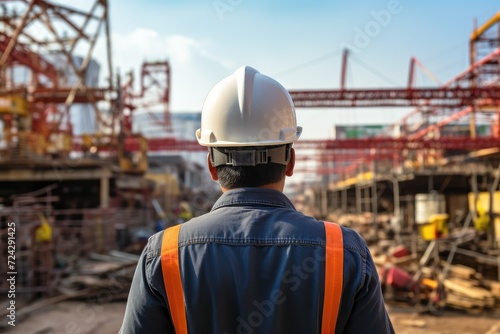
x=112, y=272
x=461, y=294
x=102, y=280
x=463, y=288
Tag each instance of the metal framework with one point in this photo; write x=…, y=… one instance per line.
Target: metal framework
x=468, y=97
x=154, y=94
x=456, y=93
x=34, y=29
x=474, y=90
x=404, y=97
x=50, y=47
x=459, y=96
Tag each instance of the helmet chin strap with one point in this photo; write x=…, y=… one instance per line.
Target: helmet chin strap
x=250, y=156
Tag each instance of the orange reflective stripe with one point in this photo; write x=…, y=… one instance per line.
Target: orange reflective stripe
x=172, y=278
x=334, y=272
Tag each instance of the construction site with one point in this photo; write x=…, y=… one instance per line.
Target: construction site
x=78, y=200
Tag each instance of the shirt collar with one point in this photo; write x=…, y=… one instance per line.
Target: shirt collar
x=253, y=196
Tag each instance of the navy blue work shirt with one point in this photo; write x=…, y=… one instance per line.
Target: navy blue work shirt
x=254, y=264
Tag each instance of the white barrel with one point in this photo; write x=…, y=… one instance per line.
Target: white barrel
x=427, y=205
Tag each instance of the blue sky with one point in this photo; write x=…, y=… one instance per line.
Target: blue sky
x=297, y=42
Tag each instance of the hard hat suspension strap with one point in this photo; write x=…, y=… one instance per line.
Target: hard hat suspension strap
x=220, y=156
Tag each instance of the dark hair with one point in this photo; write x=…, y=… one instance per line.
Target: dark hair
x=231, y=177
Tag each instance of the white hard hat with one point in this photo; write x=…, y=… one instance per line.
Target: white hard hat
x=248, y=109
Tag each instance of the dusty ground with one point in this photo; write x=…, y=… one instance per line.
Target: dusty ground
x=407, y=321
x=89, y=318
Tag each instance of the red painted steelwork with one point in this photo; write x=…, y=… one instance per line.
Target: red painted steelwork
x=418, y=97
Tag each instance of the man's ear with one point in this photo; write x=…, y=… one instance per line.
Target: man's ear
x=291, y=164
x=212, y=169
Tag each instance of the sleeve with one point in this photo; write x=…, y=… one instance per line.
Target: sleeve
x=368, y=314
x=147, y=310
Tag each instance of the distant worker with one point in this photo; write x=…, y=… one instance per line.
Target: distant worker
x=43, y=260
x=254, y=264
x=184, y=212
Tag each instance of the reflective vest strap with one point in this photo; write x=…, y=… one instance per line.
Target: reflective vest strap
x=334, y=272
x=172, y=278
